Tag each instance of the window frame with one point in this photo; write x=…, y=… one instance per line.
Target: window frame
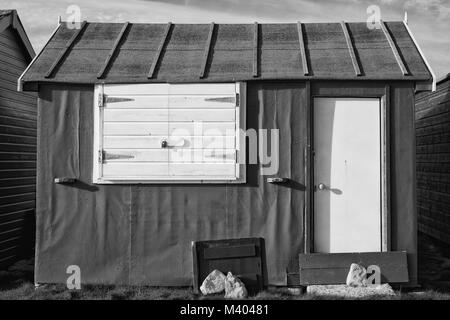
x=240, y=163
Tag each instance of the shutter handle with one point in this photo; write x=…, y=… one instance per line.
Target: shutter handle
x=165, y=144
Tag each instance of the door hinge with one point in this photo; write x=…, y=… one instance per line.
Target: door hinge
x=237, y=100
x=101, y=97
x=101, y=156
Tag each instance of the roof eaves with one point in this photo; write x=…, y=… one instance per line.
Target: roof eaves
x=20, y=80
x=433, y=76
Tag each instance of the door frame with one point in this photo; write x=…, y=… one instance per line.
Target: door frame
x=349, y=89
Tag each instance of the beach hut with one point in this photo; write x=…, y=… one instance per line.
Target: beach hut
x=142, y=151
x=18, y=112
x=433, y=169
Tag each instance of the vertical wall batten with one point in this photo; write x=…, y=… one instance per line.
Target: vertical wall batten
x=309, y=182
x=351, y=49
x=386, y=208
x=255, y=50
x=301, y=41
x=157, y=57
x=394, y=49
x=66, y=49
x=207, y=50
x=113, y=50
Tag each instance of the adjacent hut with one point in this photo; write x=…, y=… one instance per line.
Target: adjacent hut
x=433, y=161
x=18, y=111
x=140, y=151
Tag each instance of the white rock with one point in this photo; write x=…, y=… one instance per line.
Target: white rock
x=357, y=276
x=213, y=283
x=344, y=291
x=234, y=287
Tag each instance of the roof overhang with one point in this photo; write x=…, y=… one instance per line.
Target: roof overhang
x=187, y=53
x=424, y=86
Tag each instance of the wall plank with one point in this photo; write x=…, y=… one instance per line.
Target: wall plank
x=17, y=153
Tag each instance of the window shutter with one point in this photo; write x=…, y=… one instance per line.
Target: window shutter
x=169, y=132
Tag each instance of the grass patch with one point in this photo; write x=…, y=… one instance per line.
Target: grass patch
x=17, y=284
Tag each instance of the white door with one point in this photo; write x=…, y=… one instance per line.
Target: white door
x=347, y=175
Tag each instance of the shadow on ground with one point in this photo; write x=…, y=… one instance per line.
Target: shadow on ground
x=434, y=264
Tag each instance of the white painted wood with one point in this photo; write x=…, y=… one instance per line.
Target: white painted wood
x=347, y=214
x=136, y=89
x=172, y=89
x=202, y=115
x=165, y=101
x=136, y=115
x=219, y=155
x=203, y=101
x=170, y=155
x=198, y=128
x=154, y=142
x=137, y=102
x=137, y=169
x=199, y=121
x=202, y=155
x=189, y=115
x=133, y=155
x=169, y=180
x=136, y=128
x=161, y=169
x=202, y=169
x=175, y=128
x=98, y=133
x=201, y=88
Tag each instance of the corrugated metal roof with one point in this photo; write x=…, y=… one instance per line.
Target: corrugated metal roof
x=119, y=53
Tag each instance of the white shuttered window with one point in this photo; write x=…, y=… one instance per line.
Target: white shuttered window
x=166, y=133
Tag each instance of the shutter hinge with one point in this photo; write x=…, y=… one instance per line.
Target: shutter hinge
x=101, y=156
x=237, y=100
x=100, y=99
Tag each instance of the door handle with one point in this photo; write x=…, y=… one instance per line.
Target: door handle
x=322, y=187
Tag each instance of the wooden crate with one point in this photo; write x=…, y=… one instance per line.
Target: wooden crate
x=245, y=258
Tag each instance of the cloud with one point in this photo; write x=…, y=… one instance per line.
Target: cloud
x=437, y=8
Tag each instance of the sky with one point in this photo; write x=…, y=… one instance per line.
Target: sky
x=429, y=20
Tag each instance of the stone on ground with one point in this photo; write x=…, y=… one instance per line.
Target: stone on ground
x=234, y=287
x=213, y=283
x=357, y=276
x=344, y=291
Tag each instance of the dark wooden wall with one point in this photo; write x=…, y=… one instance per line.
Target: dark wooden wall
x=18, y=113
x=433, y=161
